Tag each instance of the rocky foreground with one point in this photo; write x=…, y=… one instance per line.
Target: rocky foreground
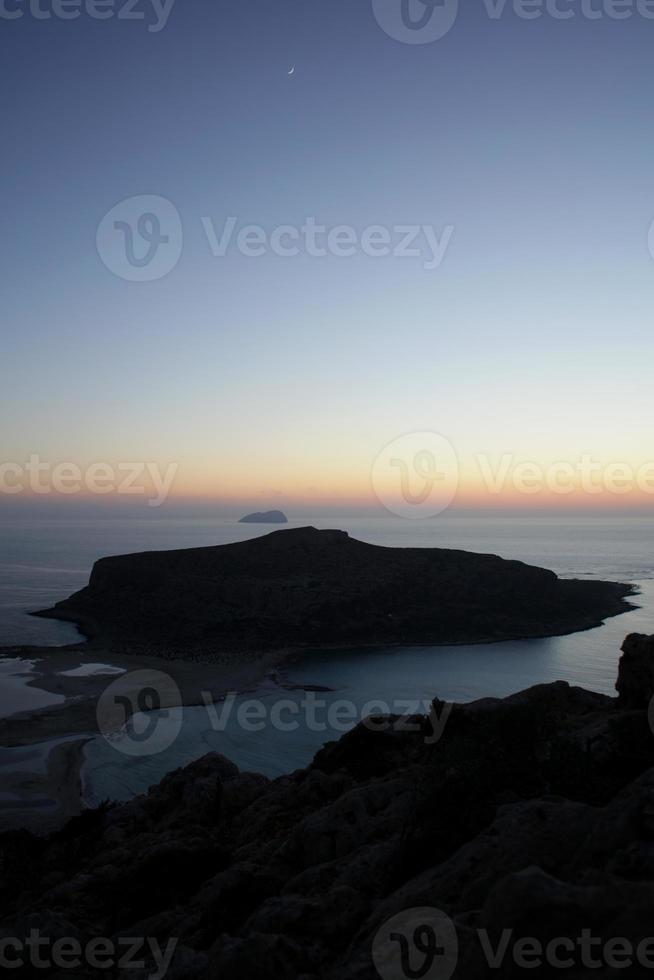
x=303, y=587
x=533, y=814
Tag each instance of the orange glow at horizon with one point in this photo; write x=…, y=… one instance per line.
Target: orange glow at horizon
x=483, y=483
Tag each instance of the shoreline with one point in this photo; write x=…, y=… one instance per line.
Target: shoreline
x=342, y=592
x=81, y=693
x=93, y=639
x=43, y=802
x=75, y=719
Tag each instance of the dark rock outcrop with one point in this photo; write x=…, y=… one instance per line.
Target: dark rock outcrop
x=533, y=814
x=636, y=677
x=265, y=517
x=300, y=588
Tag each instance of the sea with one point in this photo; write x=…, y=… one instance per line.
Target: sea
x=43, y=561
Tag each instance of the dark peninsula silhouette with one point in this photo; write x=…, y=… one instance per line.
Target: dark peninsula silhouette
x=304, y=587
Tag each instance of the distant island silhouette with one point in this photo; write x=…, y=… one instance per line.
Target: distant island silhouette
x=304, y=588
x=265, y=517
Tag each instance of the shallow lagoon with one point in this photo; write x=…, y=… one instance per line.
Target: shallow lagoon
x=403, y=680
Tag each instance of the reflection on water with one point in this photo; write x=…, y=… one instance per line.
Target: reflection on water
x=464, y=673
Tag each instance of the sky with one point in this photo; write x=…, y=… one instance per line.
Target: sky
x=515, y=154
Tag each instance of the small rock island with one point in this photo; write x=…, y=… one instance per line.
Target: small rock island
x=302, y=587
x=265, y=517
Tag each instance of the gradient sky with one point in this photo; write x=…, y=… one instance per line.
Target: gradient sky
x=282, y=378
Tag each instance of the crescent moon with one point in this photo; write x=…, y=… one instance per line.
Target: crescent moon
x=292, y=71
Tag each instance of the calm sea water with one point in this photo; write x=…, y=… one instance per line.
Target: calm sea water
x=47, y=560
x=44, y=561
